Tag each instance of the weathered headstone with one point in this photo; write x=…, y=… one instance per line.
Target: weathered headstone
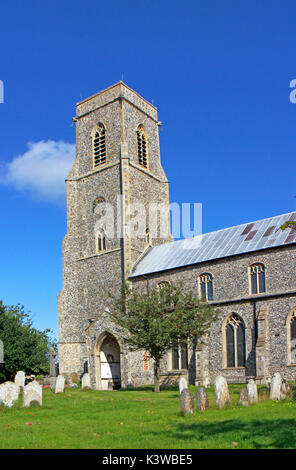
x=221, y=391
x=20, y=378
x=73, y=380
x=243, y=397
x=275, y=387
x=60, y=384
x=285, y=389
x=32, y=394
x=9, y=393
x=182, y=384
x=85, y=383
x=186, y=401
x=252, y=391
x=202, y=401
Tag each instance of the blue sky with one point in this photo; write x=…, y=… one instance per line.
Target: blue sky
x=219, y=73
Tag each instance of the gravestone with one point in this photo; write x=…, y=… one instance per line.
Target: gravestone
x=20, y=378
x=182, y=384
x=60, y=384
x=202, y=401
x=9, y=393
x=243, y=397
x=73, y=380
x=85, y=381
x=221, y=391
x=275, y=387
x=285, y=389
x=186, y=402
x=32, y=394
x=252, y=391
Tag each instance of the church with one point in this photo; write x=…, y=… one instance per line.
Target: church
x=247, y=271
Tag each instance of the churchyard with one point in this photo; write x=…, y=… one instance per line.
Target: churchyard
x=142, y=419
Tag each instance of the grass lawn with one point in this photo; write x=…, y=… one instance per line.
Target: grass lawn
x=142, y=419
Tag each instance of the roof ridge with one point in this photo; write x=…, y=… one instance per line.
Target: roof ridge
x=225, y=228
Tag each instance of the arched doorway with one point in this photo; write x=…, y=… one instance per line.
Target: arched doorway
x=108, y=356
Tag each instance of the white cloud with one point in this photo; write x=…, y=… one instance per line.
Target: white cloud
x=42, y=170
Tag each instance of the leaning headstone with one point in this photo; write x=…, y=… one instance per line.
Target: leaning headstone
x=221, y=391
x=85, y=383
x=20, y=378
x=9, y=393
x=285, y=389
x=243, y=397
x=275, y=387
x=60, y=384
x=202, y=401
x=32, y=394
x=182, y=384
x=252, y=391
x=186, y=401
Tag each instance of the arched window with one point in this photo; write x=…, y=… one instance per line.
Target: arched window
x=293, y=337
x=96, y=203
x=142, y=147
x=99, y=146
x=235, y=342
x=206, y=286
x=257, y=278
x=163, y=285
x=180, y=357
x=101, y=240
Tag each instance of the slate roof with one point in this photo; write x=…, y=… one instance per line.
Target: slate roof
x=239, y=239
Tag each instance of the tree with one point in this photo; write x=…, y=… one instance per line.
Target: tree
x=25, y=348
x=289, y=224
x=158, y=320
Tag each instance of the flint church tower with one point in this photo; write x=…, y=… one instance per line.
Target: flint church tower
x=117, y=164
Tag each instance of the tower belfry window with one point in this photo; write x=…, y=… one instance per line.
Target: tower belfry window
x=142, y=147
x=99, y=146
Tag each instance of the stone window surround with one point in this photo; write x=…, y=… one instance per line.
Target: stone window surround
x=291, y=314
x=141, y=129
x=224, y=342
x=250, y=278
x=206, y=284
x=170, y=362
x=100, y=241
x=93, y=134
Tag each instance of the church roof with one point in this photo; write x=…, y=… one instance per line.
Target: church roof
x=244, y=238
